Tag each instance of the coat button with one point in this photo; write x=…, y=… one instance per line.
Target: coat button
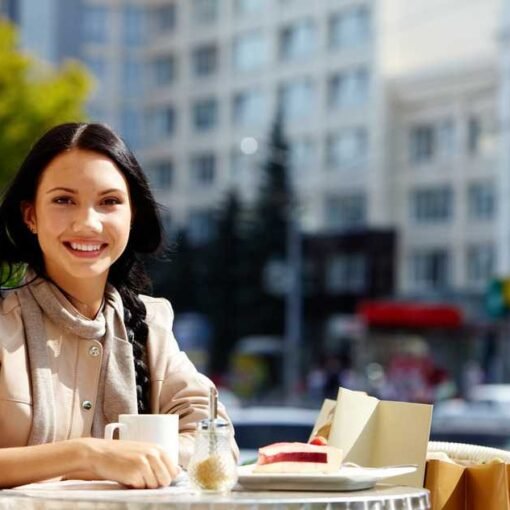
x=87, y=405
x=94, y=351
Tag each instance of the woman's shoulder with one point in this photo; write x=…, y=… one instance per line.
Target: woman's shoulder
x=158, y=309
x=11, y=324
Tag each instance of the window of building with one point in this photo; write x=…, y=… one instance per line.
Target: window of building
x=298, y=40
x=350, y=27
x=205, y=11
x=130, y=127
x=474, y=135
x=205, y=60
x=132, y=77
x=164, y=70
x=162, y=175
x=201, y=226
x=249, y=108
x=481, y=200
x=430, y=269
x=203, y=169
x=161, y=123
x=432, y=140
x=445, y=138
x=297, y=99
x=97, y=66
x=346, y=211
x=348, y=88
x=481, y=263
x=481, y=135
x=164, y=18
x=347, y=148
x=302, y=154
x=250, y=52
x=245, y=7
x=432, y=205
x=346, y=273
x=133, y=25
x=423, y=141
x=95, y=24
x=205, y=114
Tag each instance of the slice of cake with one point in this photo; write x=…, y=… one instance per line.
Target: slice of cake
x=298, y=458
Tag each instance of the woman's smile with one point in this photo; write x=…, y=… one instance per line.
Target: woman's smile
x=85, y=249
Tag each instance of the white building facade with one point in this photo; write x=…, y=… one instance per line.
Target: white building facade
x=218, y=70
x=444, y=167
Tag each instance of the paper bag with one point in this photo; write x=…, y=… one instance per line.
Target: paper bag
x=377, y=433
x=456, y=487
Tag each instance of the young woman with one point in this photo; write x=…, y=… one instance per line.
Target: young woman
x=79, y=343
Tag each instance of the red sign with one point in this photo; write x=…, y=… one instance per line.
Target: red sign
x=411, y=315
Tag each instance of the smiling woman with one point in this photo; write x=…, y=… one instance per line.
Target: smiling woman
x=82, y=217
x=79, y=342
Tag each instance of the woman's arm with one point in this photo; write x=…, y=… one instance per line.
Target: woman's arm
x=132, y=463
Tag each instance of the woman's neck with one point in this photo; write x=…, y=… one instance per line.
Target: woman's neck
x=86, y=296
x=88, y=309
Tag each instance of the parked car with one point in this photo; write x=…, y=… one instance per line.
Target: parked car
x=482, y=419
x=259, y=426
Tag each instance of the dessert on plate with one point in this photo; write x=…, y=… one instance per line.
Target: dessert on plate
x=298, y=458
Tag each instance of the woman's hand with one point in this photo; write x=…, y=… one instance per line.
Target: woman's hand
x=135, y=464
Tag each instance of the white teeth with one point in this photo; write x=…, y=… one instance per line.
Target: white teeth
x=85, y=247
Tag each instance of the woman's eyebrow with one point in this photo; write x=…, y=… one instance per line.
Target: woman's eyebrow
x=112, y=190
x=67, y=190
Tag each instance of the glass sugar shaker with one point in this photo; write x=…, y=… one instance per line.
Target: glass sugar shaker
x=212, y=466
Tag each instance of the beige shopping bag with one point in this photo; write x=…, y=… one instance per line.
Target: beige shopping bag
x=456, y=487
x=377, y=433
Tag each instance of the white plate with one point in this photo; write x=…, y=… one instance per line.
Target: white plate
x=347, y=478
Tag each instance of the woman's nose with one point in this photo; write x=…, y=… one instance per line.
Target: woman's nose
x=87, y=219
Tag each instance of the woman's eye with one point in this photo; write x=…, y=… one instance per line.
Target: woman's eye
x=62, y=200
x=111, y=201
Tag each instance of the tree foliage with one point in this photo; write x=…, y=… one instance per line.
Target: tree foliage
x=266, y=240
x=225, y=278
x=33, y=97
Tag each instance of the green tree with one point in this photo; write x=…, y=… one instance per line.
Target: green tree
x=224, y=280
x=33, y=98
x=175, y=274
x=266, y=242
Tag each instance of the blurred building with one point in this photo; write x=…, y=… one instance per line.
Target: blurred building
x=112, y=37
x=444, y=170
x=50, y=29
x=10, y=9
x=106, y=35
x=218, y=72
x=186, y=82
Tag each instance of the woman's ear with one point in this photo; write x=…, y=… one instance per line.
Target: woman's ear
x=28, y=213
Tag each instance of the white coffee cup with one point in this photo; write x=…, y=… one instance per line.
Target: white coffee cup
x=162, y=429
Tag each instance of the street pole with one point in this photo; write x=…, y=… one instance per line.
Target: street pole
x=291, y=361
x=503, y=185
x=503, y=181
x=293, y=308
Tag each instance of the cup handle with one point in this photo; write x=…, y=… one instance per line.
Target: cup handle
x=109, y=430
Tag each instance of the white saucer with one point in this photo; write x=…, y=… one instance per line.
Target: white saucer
x=347, y=478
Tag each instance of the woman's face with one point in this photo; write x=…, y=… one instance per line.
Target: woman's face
x=81, y=215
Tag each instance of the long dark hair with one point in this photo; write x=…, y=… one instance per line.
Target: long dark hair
x=19, y=246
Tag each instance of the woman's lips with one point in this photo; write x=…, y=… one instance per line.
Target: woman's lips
x=86, y=254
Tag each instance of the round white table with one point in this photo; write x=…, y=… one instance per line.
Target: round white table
x=382, y=497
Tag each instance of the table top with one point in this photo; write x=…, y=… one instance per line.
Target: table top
x=382, y=497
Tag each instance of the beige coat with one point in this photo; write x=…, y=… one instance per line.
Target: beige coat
x=176, y=386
